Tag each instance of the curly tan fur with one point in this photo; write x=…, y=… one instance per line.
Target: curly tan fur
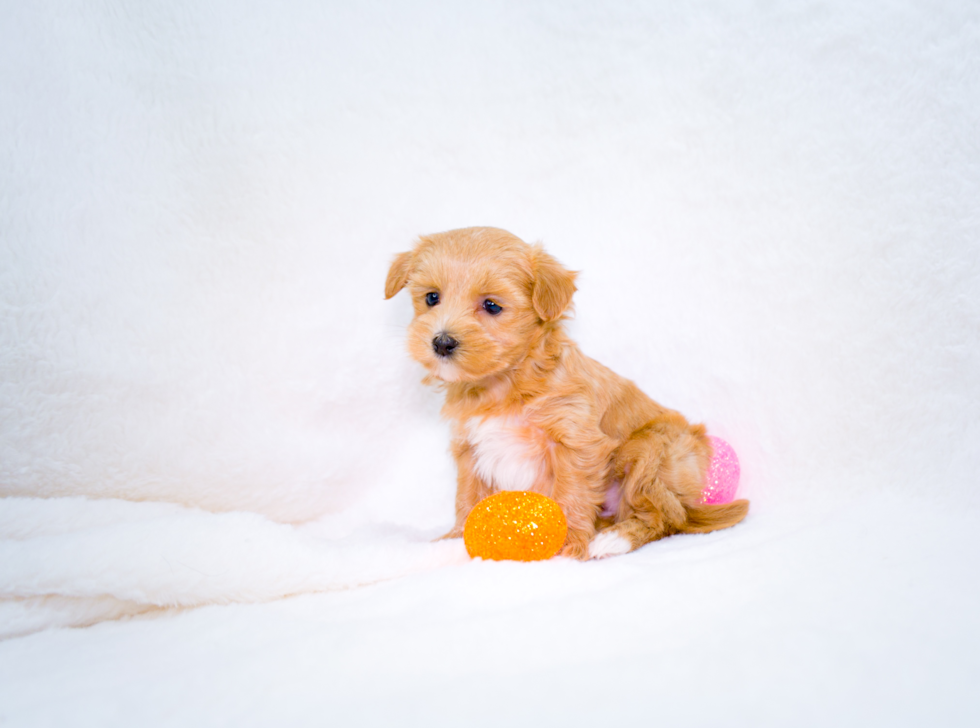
x=530, y=411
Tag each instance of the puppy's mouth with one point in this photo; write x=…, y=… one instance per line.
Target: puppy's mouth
x=451, y=358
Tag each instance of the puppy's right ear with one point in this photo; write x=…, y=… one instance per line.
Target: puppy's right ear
x=401, y=267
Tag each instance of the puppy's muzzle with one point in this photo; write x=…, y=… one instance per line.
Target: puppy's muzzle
x=444, y=344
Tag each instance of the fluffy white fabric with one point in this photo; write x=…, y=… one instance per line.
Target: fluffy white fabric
x=205, y=400
x=72, y=561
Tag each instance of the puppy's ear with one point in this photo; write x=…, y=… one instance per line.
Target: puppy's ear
x=554, y=286
x=401, y=267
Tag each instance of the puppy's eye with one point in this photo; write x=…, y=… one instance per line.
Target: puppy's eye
x=432, y=298
x=492, y=307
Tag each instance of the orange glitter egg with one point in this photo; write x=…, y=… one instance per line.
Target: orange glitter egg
x=516, y=526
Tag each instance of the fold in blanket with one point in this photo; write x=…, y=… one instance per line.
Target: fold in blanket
x=75, y=562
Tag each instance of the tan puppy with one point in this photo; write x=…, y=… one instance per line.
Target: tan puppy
x=531, y=412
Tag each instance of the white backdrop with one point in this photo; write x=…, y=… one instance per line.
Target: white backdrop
x=774, y=208
x=775, y=212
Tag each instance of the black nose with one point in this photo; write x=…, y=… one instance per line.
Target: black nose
x=444, y=344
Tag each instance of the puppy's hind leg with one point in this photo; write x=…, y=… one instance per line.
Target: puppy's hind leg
x=650, y=508
x=650, y=522
x=621, y=538
x=648, y=512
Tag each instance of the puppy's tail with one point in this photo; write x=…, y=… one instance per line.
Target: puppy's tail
x=705, y=517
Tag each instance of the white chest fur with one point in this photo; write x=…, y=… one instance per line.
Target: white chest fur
x=509, y=453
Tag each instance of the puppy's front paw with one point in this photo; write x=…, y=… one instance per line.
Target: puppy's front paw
x=608, y=543
x=576, y=546
x=575, y=551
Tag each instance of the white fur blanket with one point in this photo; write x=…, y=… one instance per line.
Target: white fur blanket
x=75, y=561
x=774, y=209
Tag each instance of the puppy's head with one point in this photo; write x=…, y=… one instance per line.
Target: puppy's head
x=482, y=297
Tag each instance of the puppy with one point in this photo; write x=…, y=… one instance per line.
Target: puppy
x=529, y=411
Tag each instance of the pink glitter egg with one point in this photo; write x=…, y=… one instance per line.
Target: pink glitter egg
x=721, y=481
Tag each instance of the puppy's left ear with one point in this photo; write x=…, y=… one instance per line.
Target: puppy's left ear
x=554, y=286
x=401, y=267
